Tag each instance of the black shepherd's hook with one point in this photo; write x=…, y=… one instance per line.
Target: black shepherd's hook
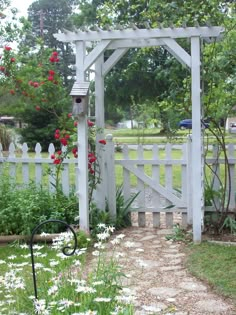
x=64, y=249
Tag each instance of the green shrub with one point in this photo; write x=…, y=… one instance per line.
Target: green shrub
x=22, y=209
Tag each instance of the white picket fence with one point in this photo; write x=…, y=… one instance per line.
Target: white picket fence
x=24, y=167
x=162, y=181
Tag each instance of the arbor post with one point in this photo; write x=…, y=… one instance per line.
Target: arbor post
x=197, y=141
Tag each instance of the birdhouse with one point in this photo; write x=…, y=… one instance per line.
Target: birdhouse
x=80, y=96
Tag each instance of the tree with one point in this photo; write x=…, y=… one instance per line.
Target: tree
x=47, y=18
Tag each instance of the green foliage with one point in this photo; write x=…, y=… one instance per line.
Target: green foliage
x=5, y=137
x=178, y=235
x=229, y=224
x=22, y=209
x=123, y=215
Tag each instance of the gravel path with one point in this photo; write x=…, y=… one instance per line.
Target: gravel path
x=159, y=280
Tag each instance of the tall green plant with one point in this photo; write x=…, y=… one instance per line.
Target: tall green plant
x=5, y=137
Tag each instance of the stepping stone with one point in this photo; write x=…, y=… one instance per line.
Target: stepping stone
x=147, y=238
x=158, y=307
x=175, y=261
x=156, y=242
x=174, y=255
x=164, y=292
x=170, y=268
x=211, y=306
x=164, y=232
x=191, y=286
x=147, y=263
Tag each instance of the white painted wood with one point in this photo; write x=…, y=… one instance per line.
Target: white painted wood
x=215, y=184
x=110, y=177
x=189, y=181
x=141, y=189
x=197, y=167
x=168, y=183
x=95, y=54
x=82, y=136
x=25, y=166
x=65, y=180
x=100, y=193
x=126, y=175
x=112, y=60
x=156, y=200
x=177, y=51
x=135, y=43
x=231, y=180
x=180, y=32
x=159, y=188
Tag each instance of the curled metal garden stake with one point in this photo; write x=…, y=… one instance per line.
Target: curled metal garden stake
x=64, y=249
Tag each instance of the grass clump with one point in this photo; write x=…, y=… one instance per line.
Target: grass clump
x=216, y=265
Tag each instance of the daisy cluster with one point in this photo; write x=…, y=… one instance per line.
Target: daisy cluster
x=81, y=284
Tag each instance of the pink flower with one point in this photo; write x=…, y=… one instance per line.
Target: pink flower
x=50, y=78
x=102, y=141
x=69, y=115
x=35, y=84
x=8, y=48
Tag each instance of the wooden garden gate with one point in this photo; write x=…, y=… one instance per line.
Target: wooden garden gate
x=162, y=182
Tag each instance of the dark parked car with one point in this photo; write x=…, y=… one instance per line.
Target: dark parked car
x=187, y=123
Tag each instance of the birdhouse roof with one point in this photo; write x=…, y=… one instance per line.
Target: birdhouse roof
x=80, y=88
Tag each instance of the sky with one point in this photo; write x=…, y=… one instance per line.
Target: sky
x=21, y=5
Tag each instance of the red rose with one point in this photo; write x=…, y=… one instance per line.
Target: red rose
x=56, y=59
x=57, y=161
x=57, y=131
x=2, y=68
x=8, y=48
x=57, y=136
x=52, y=156
x=63, y=141
x=52, y=59
x=12, y=92
x=91, y=171
x=69, y=115
x=102, y=141
x=51, y=72
x=90, y=123
x=59, y=152
x=55, y=53
x=13, y=59
x=74, y=150
x=75, y=123
x=92, y=159
x=67, y=137
x=50, y=78
x=37, y=108
x=75, y=155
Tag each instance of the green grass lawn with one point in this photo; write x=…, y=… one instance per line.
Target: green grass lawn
x=215, y=264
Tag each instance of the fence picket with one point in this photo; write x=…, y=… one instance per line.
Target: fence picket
x=156, y=200
x=168, y=183
x=141, y=189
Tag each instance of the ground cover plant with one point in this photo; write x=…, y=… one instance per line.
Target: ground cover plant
x=81, y=284
x=216, y=265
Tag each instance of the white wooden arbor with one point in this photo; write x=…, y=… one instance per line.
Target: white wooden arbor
x=120, y=40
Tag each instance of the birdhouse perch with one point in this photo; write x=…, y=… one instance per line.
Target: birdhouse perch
x=80, y=96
